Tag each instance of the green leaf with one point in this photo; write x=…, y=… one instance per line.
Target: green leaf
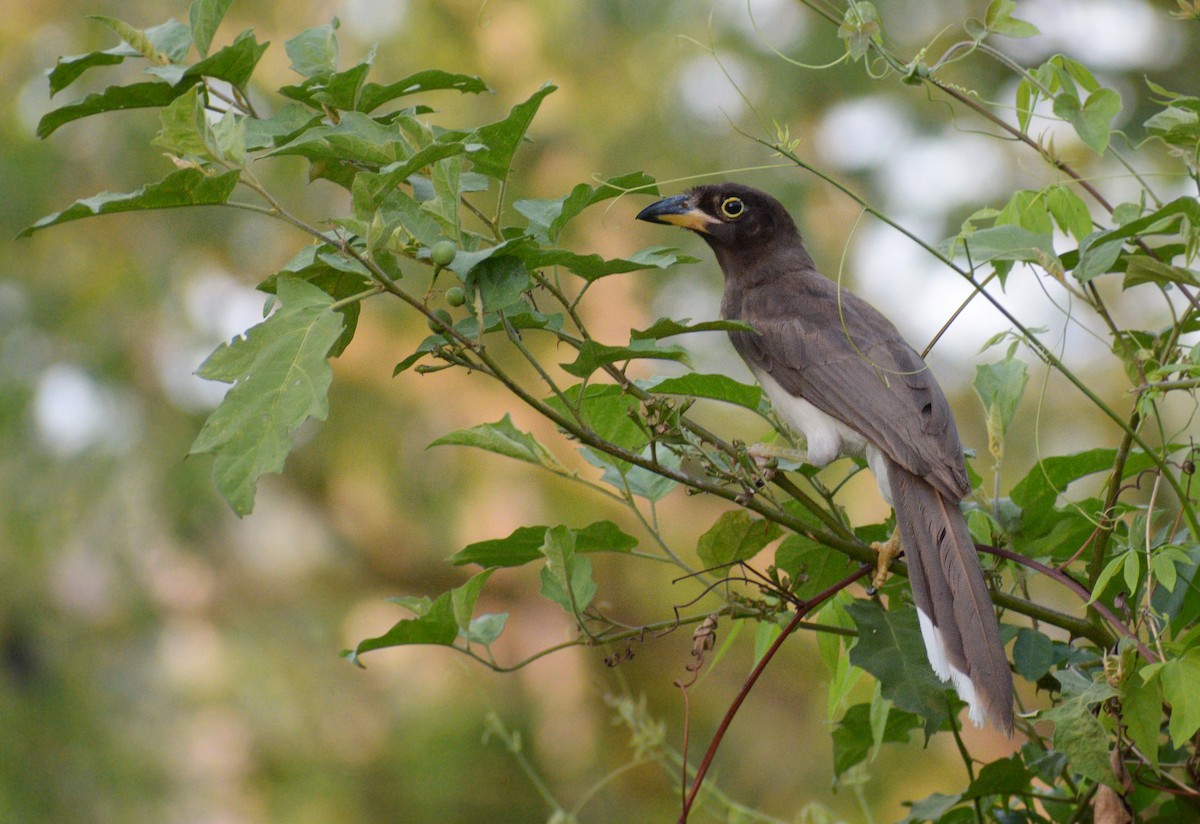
x=1115, y=565
x=1038, y=490
x=205, y=16
x=264, y=133
x=1096, y=257
x=606, y=410
x=667, y=327
x=566, y=577
x=504, y=439
x=860, y=27
x=811, y=567
x=338, y=276
x=999, y=20
x=1007, y=777
x=280, y=374
x=1145, y=269
x=184, y=187
x=999, y=387
x=332, y=90
x=1033, y=654
x=355, y=137
x=234, y=64
x=1092, y=120
x=1027, y=96
x=184, y=124
x=937, y=807
x=548, y=216
x=314, y=50
x=373, y=95
x=486, y=628
x=593, y=355
x=1142, y=712
x=114, y=98
x=594, y=267
x=853, y=738
x=736, y=536
x=371, y=188
x=1179, y=678
x=69, y=69
x=523, y=545
x=1080, y=736
x=1029, y=210
x=891, y=648
x=435, y=625
x=645, y=483
x=1161, y=221
x=1069, y=211
x=465, y=260
x=499, y=280
x=463, y=598
x=501, y=139
x=1005, y=242
x=714, y=387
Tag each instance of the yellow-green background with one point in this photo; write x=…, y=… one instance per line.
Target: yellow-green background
x=161, y=660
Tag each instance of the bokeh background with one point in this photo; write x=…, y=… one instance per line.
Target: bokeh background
x=161, y=660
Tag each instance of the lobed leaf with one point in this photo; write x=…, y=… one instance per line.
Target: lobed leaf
x=234, y=63
x=373, y=95
x=668, y=327
x=503, y=438
x=146, y=95
x=434, y=625
x=593, y=355
x=548, y=216
x=1093, y=119
x=714, y=387
x=280, y=374
x=69, y=69
x=891, y=648
x=523, y=545
x=183, y=187
x=594, y=267
x=501, y=139
x=853, y=738
x=736, y=536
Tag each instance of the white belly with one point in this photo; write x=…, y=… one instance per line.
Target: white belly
x=826, y=437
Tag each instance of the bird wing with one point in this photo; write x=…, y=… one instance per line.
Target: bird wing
x=845, y=358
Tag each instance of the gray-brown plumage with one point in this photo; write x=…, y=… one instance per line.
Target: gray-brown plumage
x=840, y=374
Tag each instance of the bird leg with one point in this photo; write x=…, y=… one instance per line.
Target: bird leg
x=886, y=552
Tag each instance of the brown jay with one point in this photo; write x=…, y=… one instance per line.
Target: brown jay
x=839, y=373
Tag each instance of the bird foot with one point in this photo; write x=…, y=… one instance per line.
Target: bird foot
x=886, y=552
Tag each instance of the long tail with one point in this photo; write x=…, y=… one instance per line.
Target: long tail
x=962, y=638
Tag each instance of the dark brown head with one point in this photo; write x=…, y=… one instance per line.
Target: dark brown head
x=741, y=224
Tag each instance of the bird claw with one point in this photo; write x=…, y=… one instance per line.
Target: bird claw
x=885, y=552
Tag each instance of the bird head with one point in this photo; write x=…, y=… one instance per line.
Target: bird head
x=727, y=215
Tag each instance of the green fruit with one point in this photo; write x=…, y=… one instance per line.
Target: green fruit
x=443, y=316
x=455, y=296
x=442, y=253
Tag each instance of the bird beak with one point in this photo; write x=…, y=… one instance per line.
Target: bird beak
x=678, y=211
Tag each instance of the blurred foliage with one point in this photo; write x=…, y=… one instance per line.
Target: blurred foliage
x=162, y=660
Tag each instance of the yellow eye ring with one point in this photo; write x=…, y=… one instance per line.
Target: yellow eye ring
x=732, y=207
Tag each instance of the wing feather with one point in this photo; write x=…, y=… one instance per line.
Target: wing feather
x=845, y=358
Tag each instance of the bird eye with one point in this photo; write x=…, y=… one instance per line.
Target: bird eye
x=732, y=207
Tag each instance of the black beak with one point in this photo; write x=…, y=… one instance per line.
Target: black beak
x=680, y=210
